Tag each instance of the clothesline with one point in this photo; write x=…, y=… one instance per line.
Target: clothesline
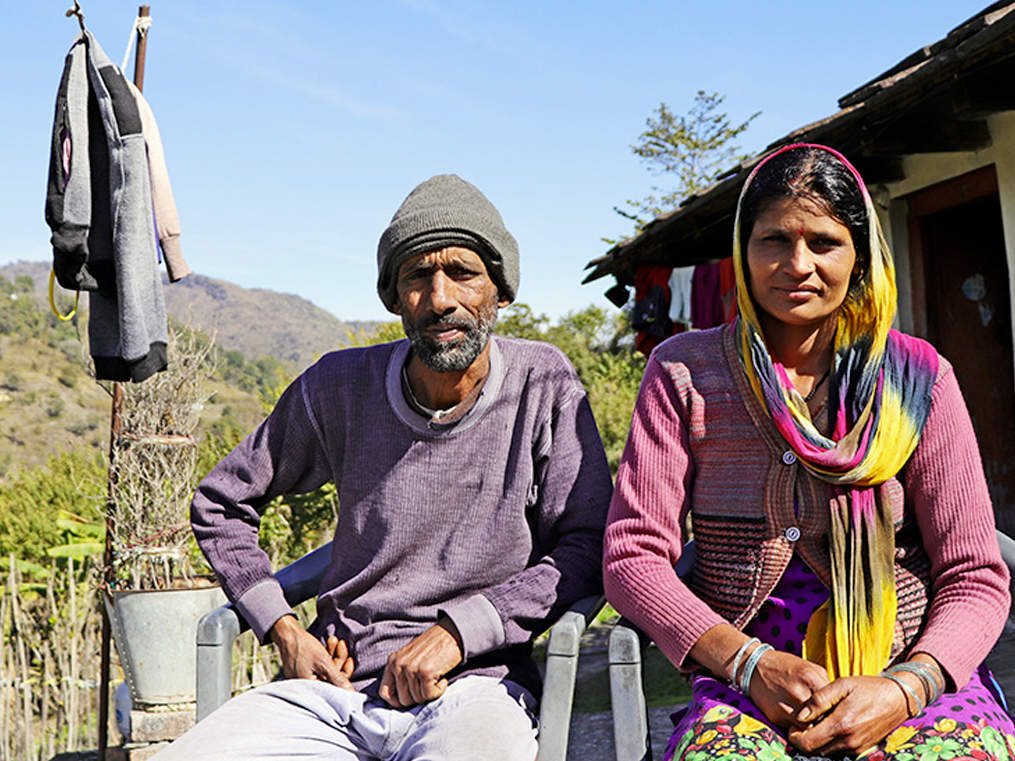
x=140, y=27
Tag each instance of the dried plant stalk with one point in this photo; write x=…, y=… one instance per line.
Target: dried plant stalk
x=155, y=463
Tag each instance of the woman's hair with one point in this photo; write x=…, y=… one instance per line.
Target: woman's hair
x=816, y=175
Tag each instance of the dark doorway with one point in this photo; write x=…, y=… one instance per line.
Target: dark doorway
x=961, y=272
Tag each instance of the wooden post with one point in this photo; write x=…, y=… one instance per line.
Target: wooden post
x=142, y=48
x=114, y=436
x=107, y=571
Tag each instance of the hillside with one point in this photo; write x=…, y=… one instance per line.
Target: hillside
x=254, y=321
x=49, y=403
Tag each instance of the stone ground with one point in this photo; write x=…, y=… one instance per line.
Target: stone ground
x=591, y=736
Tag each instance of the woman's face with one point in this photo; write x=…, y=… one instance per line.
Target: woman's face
x=800, y=260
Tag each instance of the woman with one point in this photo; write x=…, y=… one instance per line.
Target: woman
x=847, y=583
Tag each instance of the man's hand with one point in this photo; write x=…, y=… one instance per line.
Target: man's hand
x=782, y=683
x=339, y=653
x=415, y=672
x=304, y=657
x=850, y=715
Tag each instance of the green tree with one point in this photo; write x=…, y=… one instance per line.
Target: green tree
x=690, y=149
x=600, y=348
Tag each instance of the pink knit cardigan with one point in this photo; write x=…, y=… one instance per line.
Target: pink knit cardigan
x=701, y=443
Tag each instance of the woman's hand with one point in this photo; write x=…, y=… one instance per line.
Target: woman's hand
x=849, y=715
x=782, y=683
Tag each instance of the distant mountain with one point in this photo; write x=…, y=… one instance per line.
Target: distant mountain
x=254, y=321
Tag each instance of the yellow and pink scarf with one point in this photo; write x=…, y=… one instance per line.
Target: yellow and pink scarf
x=879, y=397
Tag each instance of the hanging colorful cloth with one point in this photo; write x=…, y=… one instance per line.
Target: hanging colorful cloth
x=880, y=394
x=650, y=316
x=706, y=298
x=728, y=289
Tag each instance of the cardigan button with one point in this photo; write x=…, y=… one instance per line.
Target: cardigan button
x=792, y=533
x=788, y=457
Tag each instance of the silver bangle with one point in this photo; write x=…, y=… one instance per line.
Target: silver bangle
x=927, y=676
x=740, y=656
x=752, y=662
x=908, y=689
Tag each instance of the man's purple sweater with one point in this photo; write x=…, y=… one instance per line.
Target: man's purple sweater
x=495, y=521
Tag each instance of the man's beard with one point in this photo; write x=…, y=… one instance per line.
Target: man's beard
x=451, y=356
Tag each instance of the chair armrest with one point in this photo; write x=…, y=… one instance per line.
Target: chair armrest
x=627, y=695
x=561, y=673
x=216, y=631
x=1007, y=550
x=631, y=739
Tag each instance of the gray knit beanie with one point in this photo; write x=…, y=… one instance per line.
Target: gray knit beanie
x=447, y=211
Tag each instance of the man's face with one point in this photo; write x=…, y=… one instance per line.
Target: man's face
x=448, y=305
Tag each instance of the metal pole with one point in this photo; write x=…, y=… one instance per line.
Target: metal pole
x=114, y=435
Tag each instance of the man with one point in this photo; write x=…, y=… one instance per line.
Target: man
x=473, y=489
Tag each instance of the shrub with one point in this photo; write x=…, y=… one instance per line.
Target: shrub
x=54, y=407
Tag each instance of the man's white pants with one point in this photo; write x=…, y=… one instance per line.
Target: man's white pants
x=478, y=717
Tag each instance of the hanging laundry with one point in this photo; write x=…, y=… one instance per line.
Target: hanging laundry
x=99, y=207
x=706, y=298
x=167, y=220
x=650, y=317
x=728, y=289
x=680, y=294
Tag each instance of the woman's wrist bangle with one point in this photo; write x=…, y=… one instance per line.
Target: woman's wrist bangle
x=931, y=678
x=740, y=656
x=752, y=662
x=906, y=688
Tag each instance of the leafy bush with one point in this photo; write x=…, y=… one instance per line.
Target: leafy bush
x=32, y=501
x=599, y=346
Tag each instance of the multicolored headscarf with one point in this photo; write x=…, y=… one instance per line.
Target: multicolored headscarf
x=879, y=398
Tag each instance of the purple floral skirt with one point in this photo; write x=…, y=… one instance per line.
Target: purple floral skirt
x=721, y=721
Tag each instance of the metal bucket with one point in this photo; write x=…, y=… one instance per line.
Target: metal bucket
x=155, y=634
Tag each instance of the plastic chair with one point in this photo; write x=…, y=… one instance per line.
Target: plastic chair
x=300, y=580
x=627, y=695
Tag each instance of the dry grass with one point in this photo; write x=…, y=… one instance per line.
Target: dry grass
x=49, y=669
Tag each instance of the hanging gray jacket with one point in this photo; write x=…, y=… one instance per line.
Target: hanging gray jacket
x=99, y=207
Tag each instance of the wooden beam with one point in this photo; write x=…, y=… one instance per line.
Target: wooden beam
x=927, y=133
x=977, y=97
x=879, y=170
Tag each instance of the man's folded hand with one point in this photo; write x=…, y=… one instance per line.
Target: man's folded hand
x=304, y=657
x=415, y=672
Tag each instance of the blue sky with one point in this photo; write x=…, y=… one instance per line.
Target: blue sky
x=294, y=130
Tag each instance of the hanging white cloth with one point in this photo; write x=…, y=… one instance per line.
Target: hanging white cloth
x=680, y=294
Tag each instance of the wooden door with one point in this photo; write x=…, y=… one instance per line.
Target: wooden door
x=960, y=270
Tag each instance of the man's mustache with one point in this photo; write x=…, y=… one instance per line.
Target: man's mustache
x=454, y=321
